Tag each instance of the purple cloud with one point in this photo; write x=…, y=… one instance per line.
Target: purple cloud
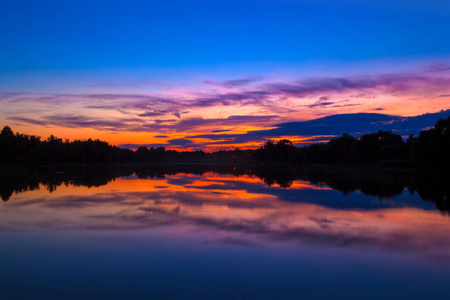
x=140, y=125
x=323, y=103
x=234, y=82
x=173, y=143
x=334, y=125
x=266, y=95
x=438, y=68
x=180, y=142
x=153, y=113
x=192, y=123
x=136, y=146
x=72, y=121
x=28, y=121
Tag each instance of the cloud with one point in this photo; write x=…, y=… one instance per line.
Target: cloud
x=136, y=146
x=160, y=113
x=356, y=124
x=234, y=82
x=28, y=121
x=74, y=121
x=233, y=242
x=364, y=86
x=390, y=83
x=125, y=83
x=173, y=143
x=346, y=105
x=322, y=103
x=440, y=69
x=107, y=107
x=153, y=113
x=77, y=121
x=334, y=125
x=180, y=142
x=140, y=125
x=192, y=123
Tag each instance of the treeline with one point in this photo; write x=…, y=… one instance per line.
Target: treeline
x=431, y=146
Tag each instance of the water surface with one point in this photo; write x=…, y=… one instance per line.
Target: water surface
x=199, y=232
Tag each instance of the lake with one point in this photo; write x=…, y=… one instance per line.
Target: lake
x=224, y=232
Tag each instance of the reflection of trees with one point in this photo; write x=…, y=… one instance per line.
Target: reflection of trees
x=431, y=185
x=370, y=181
x=17, y=180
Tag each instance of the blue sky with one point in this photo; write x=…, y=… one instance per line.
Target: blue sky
x=91, y=35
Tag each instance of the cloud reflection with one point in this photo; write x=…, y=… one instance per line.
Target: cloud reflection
x=230, y=213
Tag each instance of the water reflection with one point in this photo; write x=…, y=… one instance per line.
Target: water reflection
x=430, y=184
x=349, y=208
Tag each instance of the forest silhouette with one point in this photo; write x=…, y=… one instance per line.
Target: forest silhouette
x=430, y=147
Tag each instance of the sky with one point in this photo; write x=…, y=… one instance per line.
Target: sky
x=197, y=74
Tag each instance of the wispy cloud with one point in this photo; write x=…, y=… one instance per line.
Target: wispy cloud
x=76, y=121
x=264, y=94
x=180, y=142
x=28, y=121
x=439, y=69
x=234, y=82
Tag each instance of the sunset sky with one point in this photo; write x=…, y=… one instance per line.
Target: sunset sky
x=198, y=74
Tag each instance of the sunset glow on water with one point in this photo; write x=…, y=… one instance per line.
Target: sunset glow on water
x=216, y=228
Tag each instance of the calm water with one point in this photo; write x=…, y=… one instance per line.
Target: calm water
x=224, y=233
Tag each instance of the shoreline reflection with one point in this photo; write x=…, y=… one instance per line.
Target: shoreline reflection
x=430, y=185
x=236, y=210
